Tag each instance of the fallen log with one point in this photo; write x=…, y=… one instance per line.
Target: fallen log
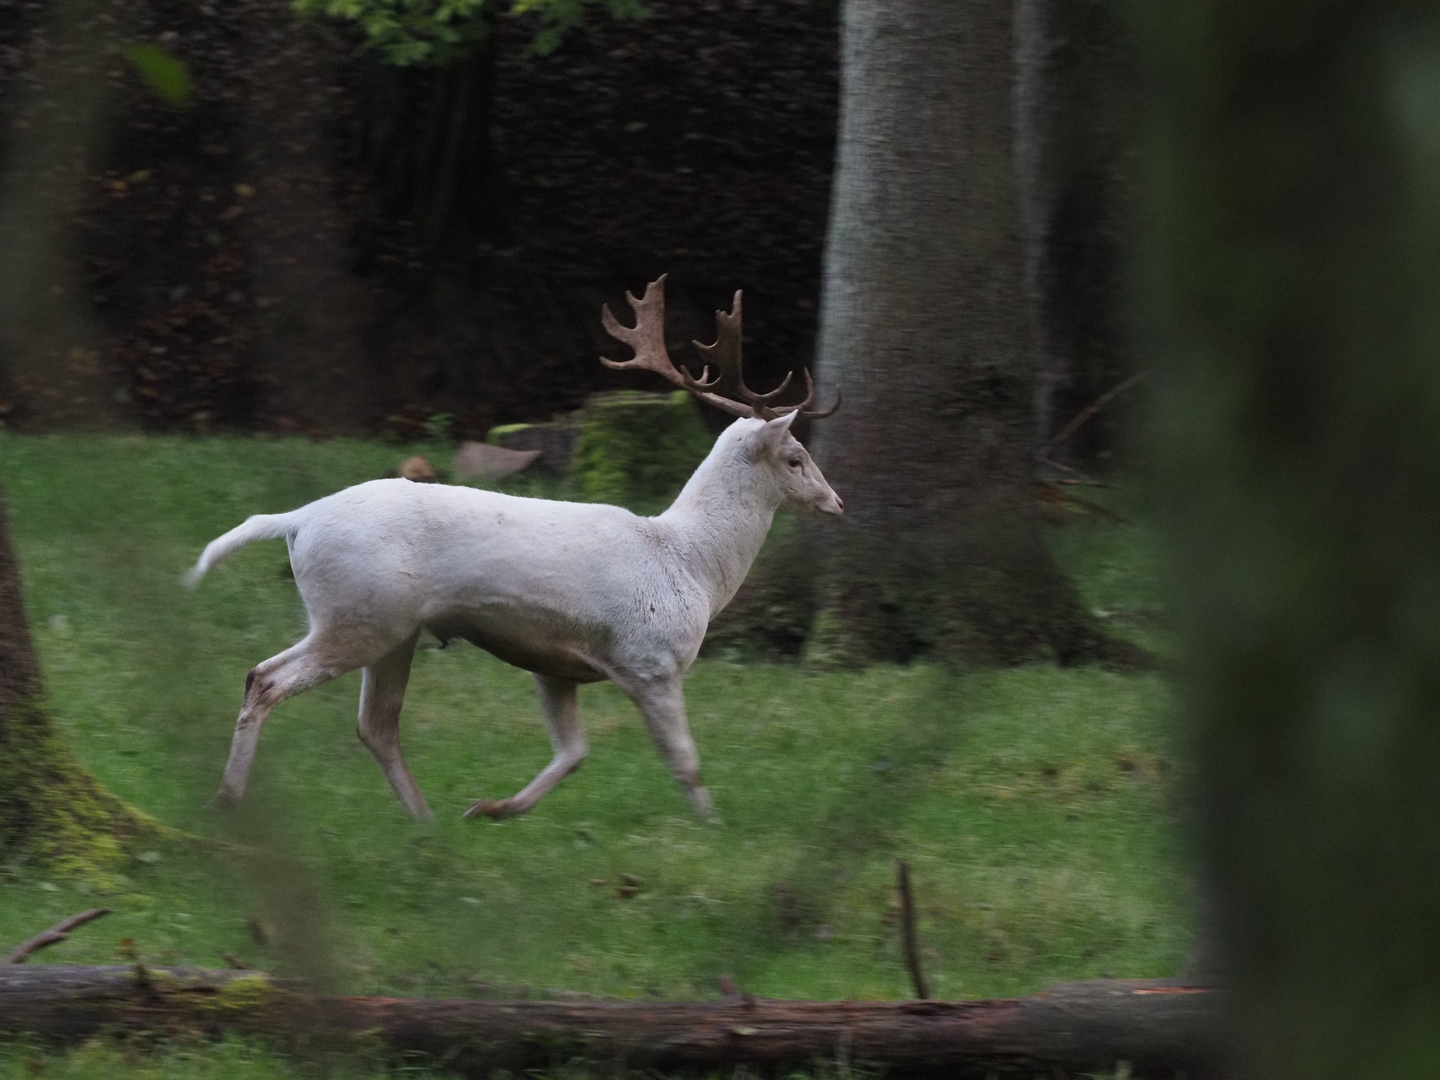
x=1159, y=1028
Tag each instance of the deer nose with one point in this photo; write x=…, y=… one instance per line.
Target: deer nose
x=841, y=503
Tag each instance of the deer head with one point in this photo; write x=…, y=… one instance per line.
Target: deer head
x=780, y=468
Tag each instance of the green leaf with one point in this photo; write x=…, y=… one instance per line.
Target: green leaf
x=437, y=32
x=163, y=71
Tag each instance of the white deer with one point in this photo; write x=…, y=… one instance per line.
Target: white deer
x=571, y=592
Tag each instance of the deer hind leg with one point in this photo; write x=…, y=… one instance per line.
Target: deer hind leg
x=306, y=664
x=560, y=703
x=662, y=703
x=382, y=690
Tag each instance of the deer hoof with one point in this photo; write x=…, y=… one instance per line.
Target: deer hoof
x=491, y=808
x=704, y=807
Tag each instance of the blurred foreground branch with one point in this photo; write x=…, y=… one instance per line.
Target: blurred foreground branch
x=1160, y=1028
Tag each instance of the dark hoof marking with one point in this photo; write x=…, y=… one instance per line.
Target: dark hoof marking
x=495, y=809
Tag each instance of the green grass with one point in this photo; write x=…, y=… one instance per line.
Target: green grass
x=1036, y=806
x=1117, y=566
x=230, y=1059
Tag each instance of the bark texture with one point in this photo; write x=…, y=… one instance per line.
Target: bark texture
x=429, y=147
x=1076, y=113
x=1160, y=1029
x=1293, y=205
x=49, y=807
x=924, y=326
x=311, y=343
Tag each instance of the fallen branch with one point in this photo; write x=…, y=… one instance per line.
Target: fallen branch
x=234, y=961
x=1159, y=1028
x=1098, y=405
x=1052, y=495
x=56, y=934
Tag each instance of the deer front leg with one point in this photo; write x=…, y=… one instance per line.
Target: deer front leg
x=560, y=704
x=662, y=703
x=382, y=692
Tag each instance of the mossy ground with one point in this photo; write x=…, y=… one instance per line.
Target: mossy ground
x=52, y=812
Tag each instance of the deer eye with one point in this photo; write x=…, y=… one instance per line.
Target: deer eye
x=795, y=463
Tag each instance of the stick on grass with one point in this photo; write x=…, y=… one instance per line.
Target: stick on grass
x=56, y=934
x=907, y=925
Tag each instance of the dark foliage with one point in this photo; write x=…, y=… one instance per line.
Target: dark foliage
x=239, y=264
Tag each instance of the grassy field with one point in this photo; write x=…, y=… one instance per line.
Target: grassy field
x=1037, y=806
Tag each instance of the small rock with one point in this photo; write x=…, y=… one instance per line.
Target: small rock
x=419, y=470
x=555, y=441
x=491, y=462
x=631, y=880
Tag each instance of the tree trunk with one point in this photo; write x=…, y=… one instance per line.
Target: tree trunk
x=314, y=315
x=429, y=149
x=48, y=334
x=1293, y=234
x=50, y=808
x=924, y=327
x=1159, y=1028
x=1076, y=105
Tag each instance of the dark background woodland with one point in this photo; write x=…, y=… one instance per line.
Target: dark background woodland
x=253, y=259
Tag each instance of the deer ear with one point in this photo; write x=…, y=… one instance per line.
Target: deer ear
x=774, y=431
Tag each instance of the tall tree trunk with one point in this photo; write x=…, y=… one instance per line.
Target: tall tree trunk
x=314, y=314
x=50, y=808
x=1076, y=109
x=48, y=335
x=1293, y=232
x=1038, y=101
x=429, y=149
x=924, y=327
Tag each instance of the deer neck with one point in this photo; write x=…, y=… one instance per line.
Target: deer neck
x=720, y=522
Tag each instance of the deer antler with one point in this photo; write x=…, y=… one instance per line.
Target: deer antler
x=647, y=338
x=725, y=353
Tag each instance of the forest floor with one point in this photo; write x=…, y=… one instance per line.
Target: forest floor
x=1037, y=807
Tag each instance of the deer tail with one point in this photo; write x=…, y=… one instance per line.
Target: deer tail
x=257, y=527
